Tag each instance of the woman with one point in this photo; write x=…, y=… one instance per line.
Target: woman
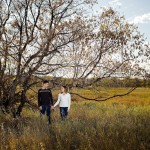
x=64, y=101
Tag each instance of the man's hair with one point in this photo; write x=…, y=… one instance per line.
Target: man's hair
x=45, y=81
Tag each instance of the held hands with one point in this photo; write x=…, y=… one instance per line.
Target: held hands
x=52, y=107
x=40, y=108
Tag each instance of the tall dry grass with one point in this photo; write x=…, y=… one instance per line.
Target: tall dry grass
x=120, y=124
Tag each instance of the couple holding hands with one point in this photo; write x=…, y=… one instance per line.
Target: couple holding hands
x=45, y=101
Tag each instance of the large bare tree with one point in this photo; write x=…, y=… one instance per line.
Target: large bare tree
x=33, y=34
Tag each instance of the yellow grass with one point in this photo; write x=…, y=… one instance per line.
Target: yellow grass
x=122, y=123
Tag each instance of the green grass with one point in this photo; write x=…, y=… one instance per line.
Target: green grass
x=119, y=124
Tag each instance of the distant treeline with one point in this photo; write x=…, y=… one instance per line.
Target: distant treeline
x=106, y=82
x=127, y=82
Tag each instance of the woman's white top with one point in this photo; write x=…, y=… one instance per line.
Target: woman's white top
x=64, y=100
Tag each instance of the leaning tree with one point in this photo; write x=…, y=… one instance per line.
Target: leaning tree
x=60, y=38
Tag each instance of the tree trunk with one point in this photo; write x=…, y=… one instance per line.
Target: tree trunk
x=22, y=103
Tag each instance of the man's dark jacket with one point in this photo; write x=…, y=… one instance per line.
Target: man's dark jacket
x=45, y=97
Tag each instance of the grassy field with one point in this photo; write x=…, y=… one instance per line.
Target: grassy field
x=118, y=124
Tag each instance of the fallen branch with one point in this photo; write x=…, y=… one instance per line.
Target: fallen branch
x=105, y=99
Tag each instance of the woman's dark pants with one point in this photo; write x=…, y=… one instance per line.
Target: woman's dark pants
x=63, y=112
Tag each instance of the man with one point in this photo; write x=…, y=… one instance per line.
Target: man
x=45, y=100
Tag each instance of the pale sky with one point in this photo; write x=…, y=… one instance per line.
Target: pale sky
x=135, y=11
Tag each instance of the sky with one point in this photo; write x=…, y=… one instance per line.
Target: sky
x=135, y=11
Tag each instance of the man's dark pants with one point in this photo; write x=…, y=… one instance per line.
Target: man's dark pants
x=46, y=109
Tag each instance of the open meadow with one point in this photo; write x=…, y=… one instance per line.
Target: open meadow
x=121, y=123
